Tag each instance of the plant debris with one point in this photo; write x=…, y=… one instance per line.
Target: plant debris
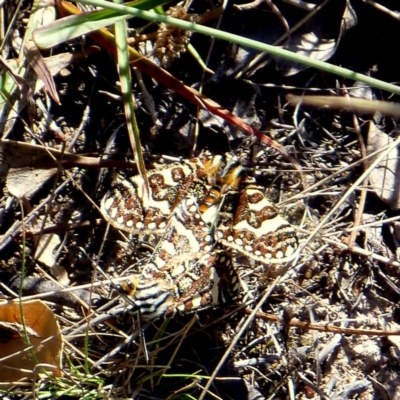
x=324, y=325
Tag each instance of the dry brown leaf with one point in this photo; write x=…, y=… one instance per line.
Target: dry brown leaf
x=46, y=254
x=384, y=178
x=26, y=167
x=37, y=62
x=315, y=34
x=43, y=13
x=25, y=182
x=16, y=362
x=319, y=38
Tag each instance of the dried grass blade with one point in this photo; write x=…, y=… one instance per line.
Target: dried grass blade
x=129, y=106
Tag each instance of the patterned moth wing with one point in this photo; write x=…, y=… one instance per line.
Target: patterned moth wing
x=251, y=224
x=125, y=207
x=204, y=209
x=186, y=273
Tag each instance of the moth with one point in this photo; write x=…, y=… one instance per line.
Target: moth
x=202, y=209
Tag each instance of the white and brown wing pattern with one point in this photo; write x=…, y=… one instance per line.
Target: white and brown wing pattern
x=201, y=210
x=125, y=206
x=186, y=273
x=254, y=226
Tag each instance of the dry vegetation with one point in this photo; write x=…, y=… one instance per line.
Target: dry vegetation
x=347, y=274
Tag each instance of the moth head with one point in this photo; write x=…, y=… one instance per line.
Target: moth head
x=212, y=168
x=129, y=286
x=232, y=177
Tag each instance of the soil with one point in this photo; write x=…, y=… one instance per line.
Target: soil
x=323, y=317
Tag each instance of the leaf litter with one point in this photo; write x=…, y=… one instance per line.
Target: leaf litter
x=335, y=282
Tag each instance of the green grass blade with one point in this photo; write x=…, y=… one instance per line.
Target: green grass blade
x=75, y=26
x=48, y=37
x=126, y=90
